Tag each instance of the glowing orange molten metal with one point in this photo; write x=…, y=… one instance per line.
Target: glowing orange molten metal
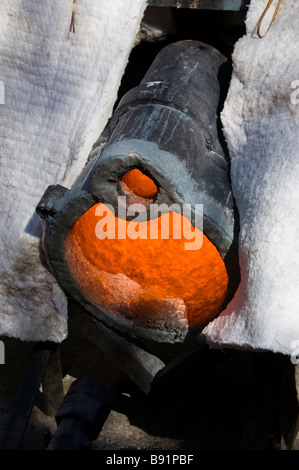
x=140, y=184
x=154, y=283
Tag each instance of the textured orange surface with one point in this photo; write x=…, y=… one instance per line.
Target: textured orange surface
x=140, y=184
x=154, y=283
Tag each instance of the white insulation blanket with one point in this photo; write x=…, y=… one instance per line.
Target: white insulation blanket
x=59, y=89
x=261, y=125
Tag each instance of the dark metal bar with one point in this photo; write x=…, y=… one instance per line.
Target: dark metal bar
x=24, y=402
x=273, y=411
x=82, y=415
x=226, y=5
x=52, y=384
x=186, y=368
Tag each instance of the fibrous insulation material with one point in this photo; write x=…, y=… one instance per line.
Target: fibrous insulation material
x=261, y=125
x=58, y=89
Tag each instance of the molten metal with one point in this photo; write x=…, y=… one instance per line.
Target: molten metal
x=152, y=283
x=138, y=183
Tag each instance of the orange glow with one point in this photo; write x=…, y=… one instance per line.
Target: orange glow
x=140, y=184
x=153, y=283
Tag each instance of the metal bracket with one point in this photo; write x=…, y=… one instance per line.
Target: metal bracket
x=45, y=206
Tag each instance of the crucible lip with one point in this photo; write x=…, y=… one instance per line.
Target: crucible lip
x=175, y=186
x=106, y=188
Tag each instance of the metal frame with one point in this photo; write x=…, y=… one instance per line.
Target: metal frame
x=226, y=5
